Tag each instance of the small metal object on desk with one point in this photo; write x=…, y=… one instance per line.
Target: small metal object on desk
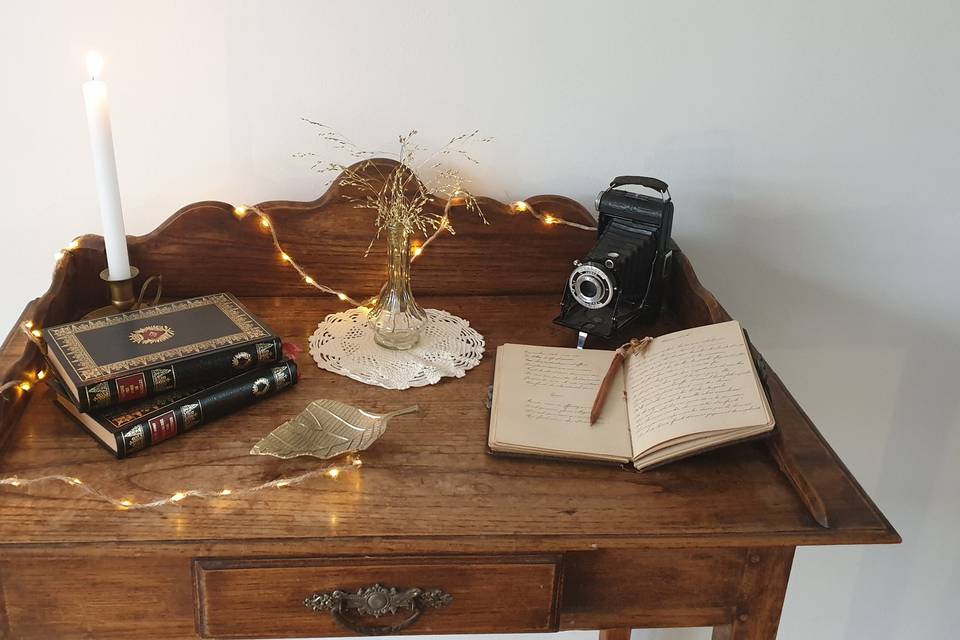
x=581, y=339
x=121, y=294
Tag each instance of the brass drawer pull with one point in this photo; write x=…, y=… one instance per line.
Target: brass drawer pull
x=377, y=600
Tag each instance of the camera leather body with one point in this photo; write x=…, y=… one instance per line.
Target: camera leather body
x=623, y=278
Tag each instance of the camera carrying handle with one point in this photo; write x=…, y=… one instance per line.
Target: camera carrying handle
x=642, y=181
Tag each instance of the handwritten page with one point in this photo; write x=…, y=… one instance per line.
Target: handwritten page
x=698, y=381
x=542, y=401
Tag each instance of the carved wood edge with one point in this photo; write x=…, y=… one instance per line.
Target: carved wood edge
x=76, y=274
x=15, y=343
x=776, y=382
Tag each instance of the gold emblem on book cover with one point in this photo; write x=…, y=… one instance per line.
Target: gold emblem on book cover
x=261, y=386
x=192, y=414
x=152, y=334
x=281, y=375
x=242, y=360
x=163, y=379
x=99, y=395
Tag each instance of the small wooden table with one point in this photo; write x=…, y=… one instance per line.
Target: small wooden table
x=520, y=545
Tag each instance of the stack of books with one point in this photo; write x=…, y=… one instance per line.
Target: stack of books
x=135, y=379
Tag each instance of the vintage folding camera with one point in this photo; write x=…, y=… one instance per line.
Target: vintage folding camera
x=624, y=276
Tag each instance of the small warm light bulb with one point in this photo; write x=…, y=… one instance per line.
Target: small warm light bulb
x=357, y=462
x=240, y=211
x=226, y=492
x=25, y=386
x=342, y=296
x=15, y=482
x=264, y=222
x=417, y=250
x=126, y=503
x=549, y=219
x=41, y=374
x=520, y=206
x=333, y=473
x=36, y=333
x=94, y=65
x=178, y=496
x=28, y=324
x=75, y=481
x=283, y=483
x=309, y=280
x=285, y=257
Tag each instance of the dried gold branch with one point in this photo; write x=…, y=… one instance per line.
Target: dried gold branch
x=401, y=198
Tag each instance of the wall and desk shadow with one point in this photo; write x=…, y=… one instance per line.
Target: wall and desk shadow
x=878, y=375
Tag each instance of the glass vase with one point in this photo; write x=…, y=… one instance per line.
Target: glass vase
x=396, y=318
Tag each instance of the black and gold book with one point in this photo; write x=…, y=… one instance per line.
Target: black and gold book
x=134, y=355
x=133, y=427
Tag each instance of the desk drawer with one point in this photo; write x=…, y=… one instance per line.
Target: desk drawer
x=264, y=598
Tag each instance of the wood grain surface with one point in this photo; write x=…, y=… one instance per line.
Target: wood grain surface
x=429, y=475
x=70, y=565
x=490, y=594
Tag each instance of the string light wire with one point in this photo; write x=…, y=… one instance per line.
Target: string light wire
x=34, y=334
x=518, y=207
x=127, y=504
x=265, y=221
x=521, y=206
x=241, y=211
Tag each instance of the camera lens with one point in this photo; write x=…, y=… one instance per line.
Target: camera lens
x=588, y=288
x=591, y=286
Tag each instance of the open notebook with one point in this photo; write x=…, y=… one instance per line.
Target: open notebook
x=688, y=391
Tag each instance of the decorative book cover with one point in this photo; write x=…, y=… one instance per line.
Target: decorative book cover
x=132, y=355
x=131, y=428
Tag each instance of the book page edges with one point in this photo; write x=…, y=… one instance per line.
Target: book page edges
x=701, y=441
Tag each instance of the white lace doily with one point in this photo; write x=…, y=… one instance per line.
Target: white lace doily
x=343, y=343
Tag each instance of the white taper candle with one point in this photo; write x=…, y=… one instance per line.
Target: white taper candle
x=105, y=166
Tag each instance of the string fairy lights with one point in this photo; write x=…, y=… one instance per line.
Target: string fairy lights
x=29, y=380
x=67, y=249
x=521, y=206
x=128, y=504
x=416, y=248
x=34, y=335
x=242, y=211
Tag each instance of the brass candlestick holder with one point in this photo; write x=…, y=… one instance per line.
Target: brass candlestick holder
x=121, y=294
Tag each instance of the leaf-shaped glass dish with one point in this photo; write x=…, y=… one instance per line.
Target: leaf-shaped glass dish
x=326, y=429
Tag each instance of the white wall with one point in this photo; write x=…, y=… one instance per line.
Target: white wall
x=812, y=149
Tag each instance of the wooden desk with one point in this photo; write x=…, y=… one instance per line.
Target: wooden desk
x=520, y=545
